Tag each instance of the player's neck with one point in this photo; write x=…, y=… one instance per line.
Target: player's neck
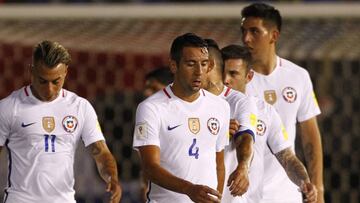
x=266, y=65
x=216, y=87
x=184, y=95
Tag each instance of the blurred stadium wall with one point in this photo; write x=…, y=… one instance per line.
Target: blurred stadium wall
x=113, y=46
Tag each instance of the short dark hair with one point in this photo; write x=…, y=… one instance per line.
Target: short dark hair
x=234, y=51
x=214, y=51
x=161, y=74
x=264, y=11
x=50, y=54
x=185, y=40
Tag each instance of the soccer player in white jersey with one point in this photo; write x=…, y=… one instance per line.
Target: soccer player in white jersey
x=181, y=131
x=41, y=124
x=271, y=135
x=289, y=89
x=239, y=153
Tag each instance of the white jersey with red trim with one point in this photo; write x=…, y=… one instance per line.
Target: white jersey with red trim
x=289, y=89
x=41, y=139
x=188, y=134
x=243, y=109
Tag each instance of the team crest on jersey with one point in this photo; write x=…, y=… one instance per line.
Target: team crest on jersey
x=260, y=128
x=70, y=123
x=48, y=123
x=270, y=96
x=289, y=94
x=213, y=125
x=194, y=125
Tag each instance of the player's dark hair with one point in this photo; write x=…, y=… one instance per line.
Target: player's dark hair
x=264, y=11
x=50, y=54
x=161, y=74
x=185, y=40
x=237, y=52
x=214, y=52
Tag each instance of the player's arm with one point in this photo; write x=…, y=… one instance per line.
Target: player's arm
x=297, y=173
x=0, y=149
x=150, y=159
x=220, y=170
x=239, y=178
x=311, y=143
x=107, y=168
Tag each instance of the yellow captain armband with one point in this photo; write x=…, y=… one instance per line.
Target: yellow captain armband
x=314, y=98
x=253, y=120
x=284, y=133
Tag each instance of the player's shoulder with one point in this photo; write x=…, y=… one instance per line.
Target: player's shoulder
x=293, y=68
x=13, y=98
x=73, y=99
x=234, y=95
x=237, y=97
x=213, y=98
x=160, y=98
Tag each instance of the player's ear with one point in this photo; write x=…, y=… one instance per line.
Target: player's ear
x=275, y=34
x=173, y=66
x=66, y=70
x=249, y=76
x=211, y=64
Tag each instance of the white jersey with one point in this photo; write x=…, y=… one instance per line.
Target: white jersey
x=244, y=110
x=289, y=89
x=41, y=139
x=188, y=134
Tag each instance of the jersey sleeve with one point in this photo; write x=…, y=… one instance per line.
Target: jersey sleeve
x=91, y=131
x=277, y=139
x=6, y=116
x=309, y=106
x=223, y=138
x=147, y=126
x=245, y=112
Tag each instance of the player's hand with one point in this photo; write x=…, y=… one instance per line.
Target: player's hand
x=203, y=194
x=114, y=188
x=310, y=192
x=233, y=127
x=238, y=181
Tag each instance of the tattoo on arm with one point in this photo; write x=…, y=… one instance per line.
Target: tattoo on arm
x=294, y=168
x=105, y=162
x=244, y=149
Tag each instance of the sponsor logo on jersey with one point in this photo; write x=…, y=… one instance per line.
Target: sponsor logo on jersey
x=270, y=96
x=27, y=124
x=173, y=127
x=213, y=125
x=289, y=94
x=141, y=130
x=194, y=125
x=260, y=128
x=48, y=123
x=70, y=123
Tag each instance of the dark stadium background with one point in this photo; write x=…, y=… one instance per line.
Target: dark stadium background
x=112, y=53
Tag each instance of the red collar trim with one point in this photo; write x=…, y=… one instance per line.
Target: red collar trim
x=227, y=91
x=26, y=92
x=167, y=94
